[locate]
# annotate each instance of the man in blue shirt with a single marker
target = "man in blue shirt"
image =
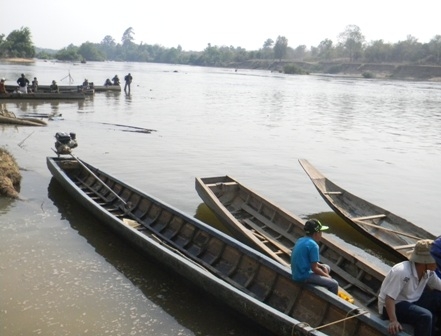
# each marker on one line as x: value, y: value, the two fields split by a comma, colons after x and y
x: 305, y: 259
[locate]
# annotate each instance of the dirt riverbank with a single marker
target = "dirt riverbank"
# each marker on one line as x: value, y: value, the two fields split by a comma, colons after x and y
x: 373, y: 70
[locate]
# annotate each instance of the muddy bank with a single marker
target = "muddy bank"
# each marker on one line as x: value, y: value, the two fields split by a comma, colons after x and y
x: 10, y: 176
x: 373, y: 70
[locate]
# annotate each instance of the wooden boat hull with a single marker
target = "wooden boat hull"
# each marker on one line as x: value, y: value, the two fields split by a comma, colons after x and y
x: 393, y: 233
x: 272, y: 230
x: 43, y: 96
x: 22, y: 121
x: 72, y: 88
x: 248, y: 281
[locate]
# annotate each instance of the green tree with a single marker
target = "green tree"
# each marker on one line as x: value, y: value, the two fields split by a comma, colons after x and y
x: 325, y: 49
x: 378, y: 51
x: 409, y: 50
x: 90, y: 52
x: 107, y: 47
x: 2, y: 45
x: 268, y: 44
x: 299, y: 52
x: 435, y: 48
x: 280, y: 47
x: 70, y: 53
x: 127, y: 37
x: 19, y: 44
x: 352, y: 40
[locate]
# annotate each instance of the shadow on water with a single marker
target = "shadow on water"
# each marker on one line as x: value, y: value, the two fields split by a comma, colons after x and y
x: 204, y: 214
x: 191, y: 307
x: 343, y: 230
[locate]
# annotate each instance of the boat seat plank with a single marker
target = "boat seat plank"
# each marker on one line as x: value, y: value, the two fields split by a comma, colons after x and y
x: 220, y: 183
x: 264, y: 220
x: 332, y: 192
x: 369, y: 217
x: 349, y: 278
x: 404, y: 247
x: 273, y: 241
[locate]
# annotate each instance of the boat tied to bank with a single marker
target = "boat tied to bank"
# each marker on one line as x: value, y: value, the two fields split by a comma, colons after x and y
x: 390, y: 231
x: 241, y: 277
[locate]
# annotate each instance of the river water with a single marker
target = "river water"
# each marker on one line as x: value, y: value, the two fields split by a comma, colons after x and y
x: 61, y: 273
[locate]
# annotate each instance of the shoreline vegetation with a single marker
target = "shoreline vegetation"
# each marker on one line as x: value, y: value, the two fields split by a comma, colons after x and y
x: 352, y: 69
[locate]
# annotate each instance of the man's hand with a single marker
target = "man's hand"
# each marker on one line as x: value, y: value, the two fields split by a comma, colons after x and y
x: 394, y: 327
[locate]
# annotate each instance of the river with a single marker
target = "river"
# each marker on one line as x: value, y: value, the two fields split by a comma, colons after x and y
x: 62, y: 274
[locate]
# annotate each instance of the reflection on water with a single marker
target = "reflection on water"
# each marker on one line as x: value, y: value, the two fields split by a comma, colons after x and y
x: 378, y: 138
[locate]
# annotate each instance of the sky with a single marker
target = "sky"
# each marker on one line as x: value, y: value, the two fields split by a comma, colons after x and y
x: 193, y: 24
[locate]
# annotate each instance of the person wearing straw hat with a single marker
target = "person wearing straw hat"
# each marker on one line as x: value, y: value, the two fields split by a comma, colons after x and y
x: 410, y: 292
x: 305, y: 258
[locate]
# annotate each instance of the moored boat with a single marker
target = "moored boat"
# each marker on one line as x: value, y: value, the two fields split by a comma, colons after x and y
x: 394, y: 233
x: 272, y: 230
x: 43, y: 96
x: 73, y: 88
x: 248, y: 281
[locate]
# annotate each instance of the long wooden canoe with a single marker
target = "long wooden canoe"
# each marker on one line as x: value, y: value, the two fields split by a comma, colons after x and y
x: 44, y: 96
x: 248, y: 281
x: 72, y: 88
x: 392, y: 232
x: 272, y: 230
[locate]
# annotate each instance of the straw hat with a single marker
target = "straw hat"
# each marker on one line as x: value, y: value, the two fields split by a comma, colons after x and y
x: 421, y: 252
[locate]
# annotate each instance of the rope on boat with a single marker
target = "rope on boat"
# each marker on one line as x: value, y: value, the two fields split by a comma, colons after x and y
x: 343, y: 320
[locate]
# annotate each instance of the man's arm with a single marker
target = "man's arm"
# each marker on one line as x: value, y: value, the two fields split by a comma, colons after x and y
x: 317, y: 269
x: 394, y: 326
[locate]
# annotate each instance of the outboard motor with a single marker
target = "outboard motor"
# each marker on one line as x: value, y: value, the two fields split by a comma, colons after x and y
x: 65, y: 143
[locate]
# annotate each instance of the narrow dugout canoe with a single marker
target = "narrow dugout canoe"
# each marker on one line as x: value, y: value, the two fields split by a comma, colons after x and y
x: 272, y: 230
x: 74, y: 88
x: 241, y: 277
x: 393, y: 233
x: 43, y: 96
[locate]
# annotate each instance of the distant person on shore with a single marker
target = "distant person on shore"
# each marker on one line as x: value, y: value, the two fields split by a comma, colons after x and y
x: 85, y: 84
x: 34, y: 85
x: 107, y: 82
x: 54, y: 87
x: 2, y: 86
x: 128, y: 79
x: 305, y: 259
x: 23, y: 83
x: 115, y: 80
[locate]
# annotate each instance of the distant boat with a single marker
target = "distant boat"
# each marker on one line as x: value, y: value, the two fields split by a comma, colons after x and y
x: 44, y: 96
x: 393, y: 233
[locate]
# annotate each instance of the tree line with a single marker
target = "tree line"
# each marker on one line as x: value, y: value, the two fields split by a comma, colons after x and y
x: 351, y: 46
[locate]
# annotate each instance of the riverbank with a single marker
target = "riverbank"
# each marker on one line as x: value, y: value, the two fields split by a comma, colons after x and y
x: 10, y: 176
x: 353, y: 69
x: 369, y: 70
x: 18, y: 60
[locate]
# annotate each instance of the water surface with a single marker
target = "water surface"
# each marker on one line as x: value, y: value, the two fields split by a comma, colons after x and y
x: 62, y: 274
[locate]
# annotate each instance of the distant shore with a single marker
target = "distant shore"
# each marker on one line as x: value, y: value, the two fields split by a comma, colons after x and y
x: 18, y: 60
x: 354, y: 69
